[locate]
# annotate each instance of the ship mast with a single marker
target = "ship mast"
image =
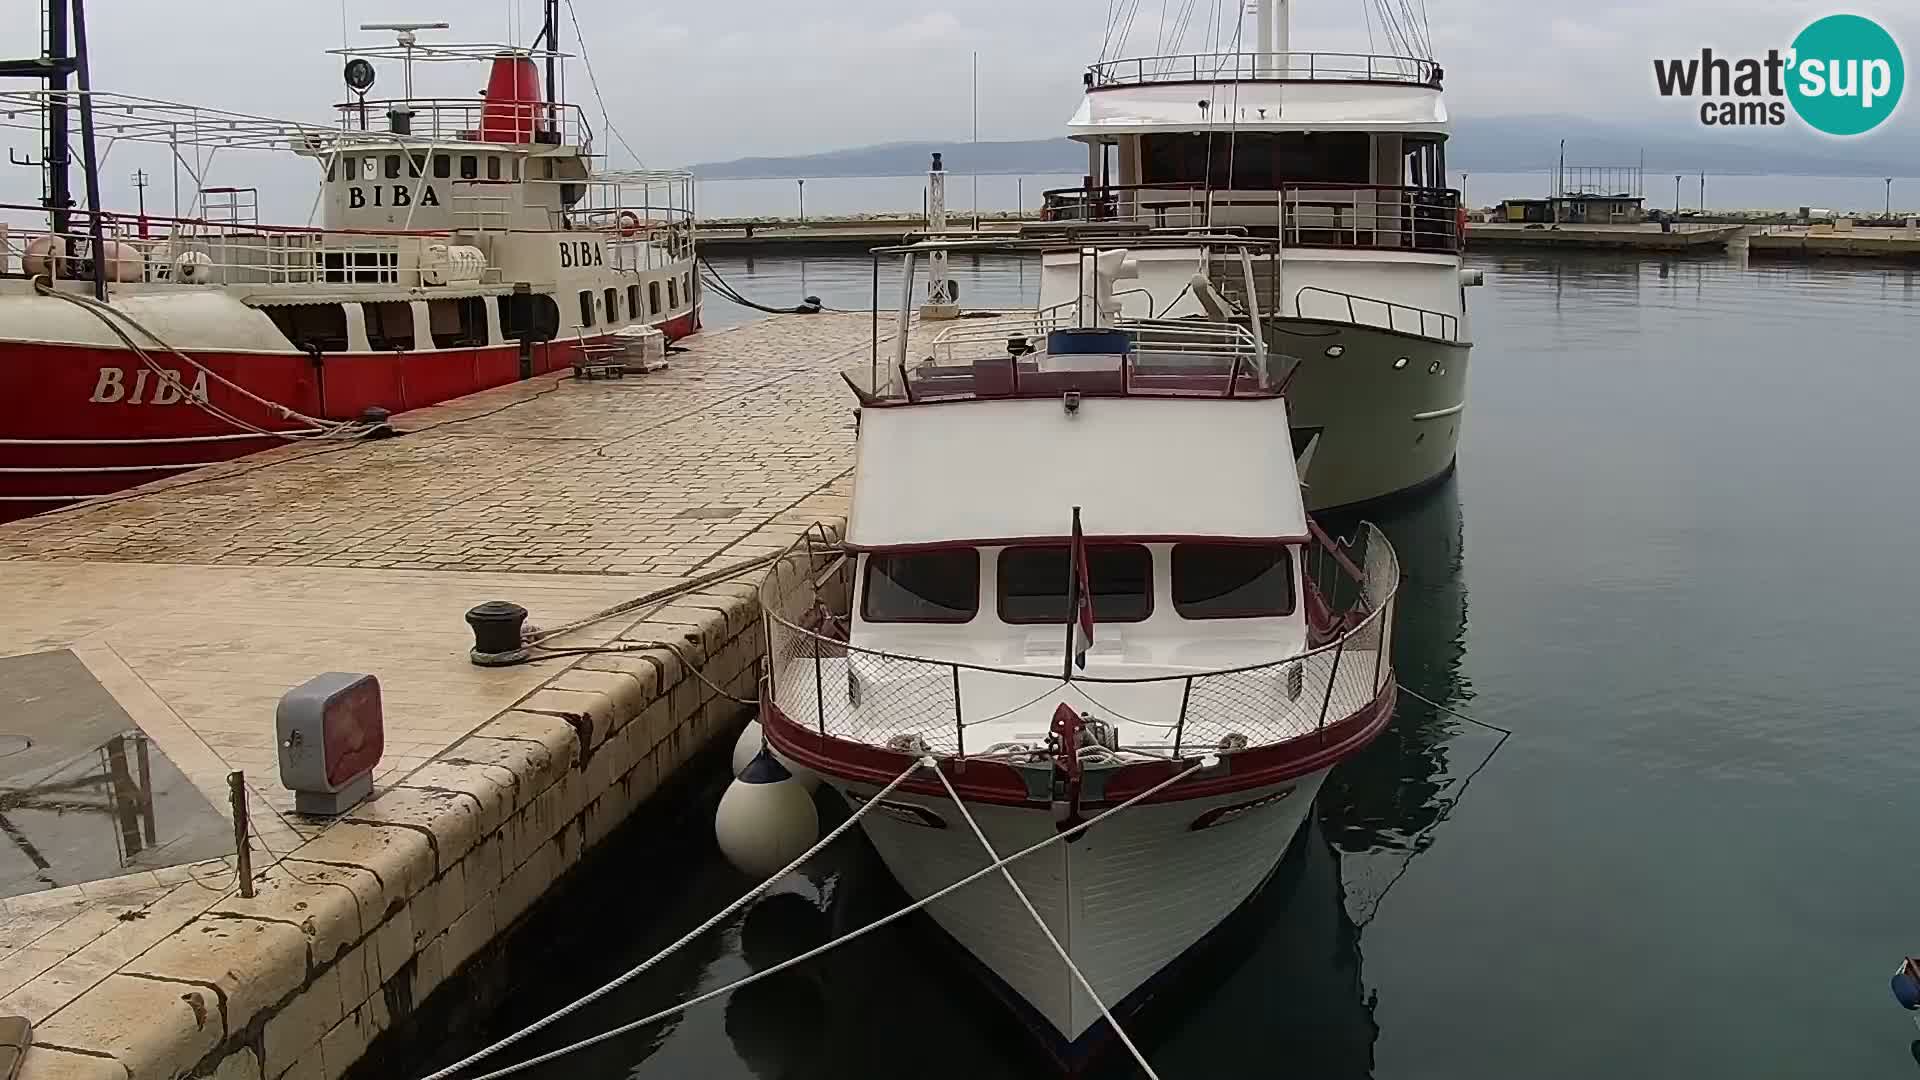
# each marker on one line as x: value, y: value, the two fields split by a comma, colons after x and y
x: 53, y: 67
x: 1270, y: 38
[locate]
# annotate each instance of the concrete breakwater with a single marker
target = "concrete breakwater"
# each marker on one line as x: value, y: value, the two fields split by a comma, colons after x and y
x: 193, y: 603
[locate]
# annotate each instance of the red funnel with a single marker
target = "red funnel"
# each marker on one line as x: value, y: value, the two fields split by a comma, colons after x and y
x: 513, y: 102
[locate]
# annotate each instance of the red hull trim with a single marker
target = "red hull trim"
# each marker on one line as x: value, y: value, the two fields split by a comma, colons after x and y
x: 86, y: 421
x: 1000, y: 784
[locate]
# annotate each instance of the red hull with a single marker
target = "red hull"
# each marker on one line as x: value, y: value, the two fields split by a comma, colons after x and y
x: 84, y: 421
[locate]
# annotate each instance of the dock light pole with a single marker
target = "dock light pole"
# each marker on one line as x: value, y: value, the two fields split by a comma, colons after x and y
x: 1889, y: 198
x: 803, y: 201
x: 1676, y: 194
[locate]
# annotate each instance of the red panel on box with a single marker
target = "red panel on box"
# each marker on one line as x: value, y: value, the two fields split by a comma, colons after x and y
x: 355, y: 732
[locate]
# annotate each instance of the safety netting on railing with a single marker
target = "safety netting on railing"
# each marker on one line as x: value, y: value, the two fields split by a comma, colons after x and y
x: 825, y: 685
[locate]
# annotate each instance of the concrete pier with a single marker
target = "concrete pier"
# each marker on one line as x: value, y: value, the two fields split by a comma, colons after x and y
x: 1827, y: 242
x: 187, y: 607
x: 1696, y: 239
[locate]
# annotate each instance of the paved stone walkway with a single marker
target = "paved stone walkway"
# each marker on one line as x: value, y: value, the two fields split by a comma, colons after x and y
x: 196, y: 602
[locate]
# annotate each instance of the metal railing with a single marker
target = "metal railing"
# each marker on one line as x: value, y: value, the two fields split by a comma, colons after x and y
x: 192, y: 252
x: 1245, y: 66
x: 1302, y: 213
x: 467, y: 120
x: 1371, y: 216
x: 838, y: 690
x: 1404, y: 318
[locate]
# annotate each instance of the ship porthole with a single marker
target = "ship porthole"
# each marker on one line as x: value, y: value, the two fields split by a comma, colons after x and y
x: 1433, y: 368
x: 1336, y: 351
x: 1400, y: 364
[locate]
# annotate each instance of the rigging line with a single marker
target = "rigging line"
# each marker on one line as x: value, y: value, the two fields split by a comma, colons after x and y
x: 1366, y: 11
x: 851, y: 935
x: 594, y: 82
x: 1045, y: 930
x: 632, y: 973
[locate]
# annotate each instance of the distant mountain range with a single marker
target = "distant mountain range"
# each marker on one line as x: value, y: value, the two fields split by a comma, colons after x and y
x: 1495, y: 145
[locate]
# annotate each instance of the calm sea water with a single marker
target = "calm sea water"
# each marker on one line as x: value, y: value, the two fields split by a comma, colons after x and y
x: 1676, y: 560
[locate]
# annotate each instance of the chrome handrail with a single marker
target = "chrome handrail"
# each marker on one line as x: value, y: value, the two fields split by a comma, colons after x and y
x: 1277, y: 66
x: 1449, y: 325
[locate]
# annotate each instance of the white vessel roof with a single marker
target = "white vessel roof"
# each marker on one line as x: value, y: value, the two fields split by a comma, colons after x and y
x: 1143, y: 468
x: 1150, y: 108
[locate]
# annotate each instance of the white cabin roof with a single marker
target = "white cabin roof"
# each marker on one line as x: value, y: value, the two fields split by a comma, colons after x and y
x: 1138, y: 467
x: 1258, y: 106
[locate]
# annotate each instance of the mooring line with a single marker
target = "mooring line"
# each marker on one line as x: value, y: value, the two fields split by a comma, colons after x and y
x: 632, y: 973
x: 749, y: 980
x: 1415, y: 841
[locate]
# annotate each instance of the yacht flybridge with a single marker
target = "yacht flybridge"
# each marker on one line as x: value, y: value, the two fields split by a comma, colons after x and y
x: 1342, y: 159
x: 1080, y: 605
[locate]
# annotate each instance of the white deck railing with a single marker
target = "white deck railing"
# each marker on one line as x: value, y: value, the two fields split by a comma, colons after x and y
x: 841, y: 691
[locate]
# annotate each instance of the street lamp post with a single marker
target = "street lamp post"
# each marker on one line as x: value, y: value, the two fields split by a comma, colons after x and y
x: 803, y: 201
x: 1676, y: 194
x: 1889, y: 197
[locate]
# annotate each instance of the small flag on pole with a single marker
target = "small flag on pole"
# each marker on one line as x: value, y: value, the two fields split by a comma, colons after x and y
x: 1082, y: 597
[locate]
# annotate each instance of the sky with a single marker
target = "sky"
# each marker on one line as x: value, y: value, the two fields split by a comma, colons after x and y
x: 692, y: 82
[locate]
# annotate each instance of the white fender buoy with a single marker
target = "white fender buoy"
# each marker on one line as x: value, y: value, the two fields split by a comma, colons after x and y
x: 766, y: 819
x: 748, y: 746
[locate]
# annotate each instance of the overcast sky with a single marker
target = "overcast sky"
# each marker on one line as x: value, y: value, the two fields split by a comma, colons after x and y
x: 690, y: 82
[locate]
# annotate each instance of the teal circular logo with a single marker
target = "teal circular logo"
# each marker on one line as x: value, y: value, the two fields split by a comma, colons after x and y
x: 1846, y: 75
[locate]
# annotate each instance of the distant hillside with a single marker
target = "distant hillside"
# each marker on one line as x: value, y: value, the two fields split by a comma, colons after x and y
x: 1504, y: 144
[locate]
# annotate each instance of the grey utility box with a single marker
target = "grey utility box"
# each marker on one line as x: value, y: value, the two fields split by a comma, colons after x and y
x: 331, y: 735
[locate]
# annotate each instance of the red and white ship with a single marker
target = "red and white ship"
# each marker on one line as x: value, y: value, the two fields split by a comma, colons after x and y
x: 460, y: 244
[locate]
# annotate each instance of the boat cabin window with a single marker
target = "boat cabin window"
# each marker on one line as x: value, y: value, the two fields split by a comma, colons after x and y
x: 586, y: 307
x: 533, y: 316
x: 389, y: 325
x: 416, y: 165
x: 673, y: 292
x: 1426, y: 163
x: 311, y: 327
x: 612, y: 300
x: 633, y: 303
x: 469, y: 167
x: 1033, y: 583
x: 922, y: 586
x: 442, y: 166
x: 1256, y: 160
x: 1232, y: 581
x: 393, y: 166
x: 493, y: 166
x: 353, y: 168
x: 653, y: 298
x: 331, y: 169
x: 457, y: 324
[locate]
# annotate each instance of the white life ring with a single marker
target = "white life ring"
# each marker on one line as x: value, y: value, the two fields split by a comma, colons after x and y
x: 627, y: 222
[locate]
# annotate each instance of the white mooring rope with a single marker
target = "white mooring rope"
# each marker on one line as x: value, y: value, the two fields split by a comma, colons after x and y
x: 1021, y: 894
x: 738, y: 984
x: 719, y: 917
